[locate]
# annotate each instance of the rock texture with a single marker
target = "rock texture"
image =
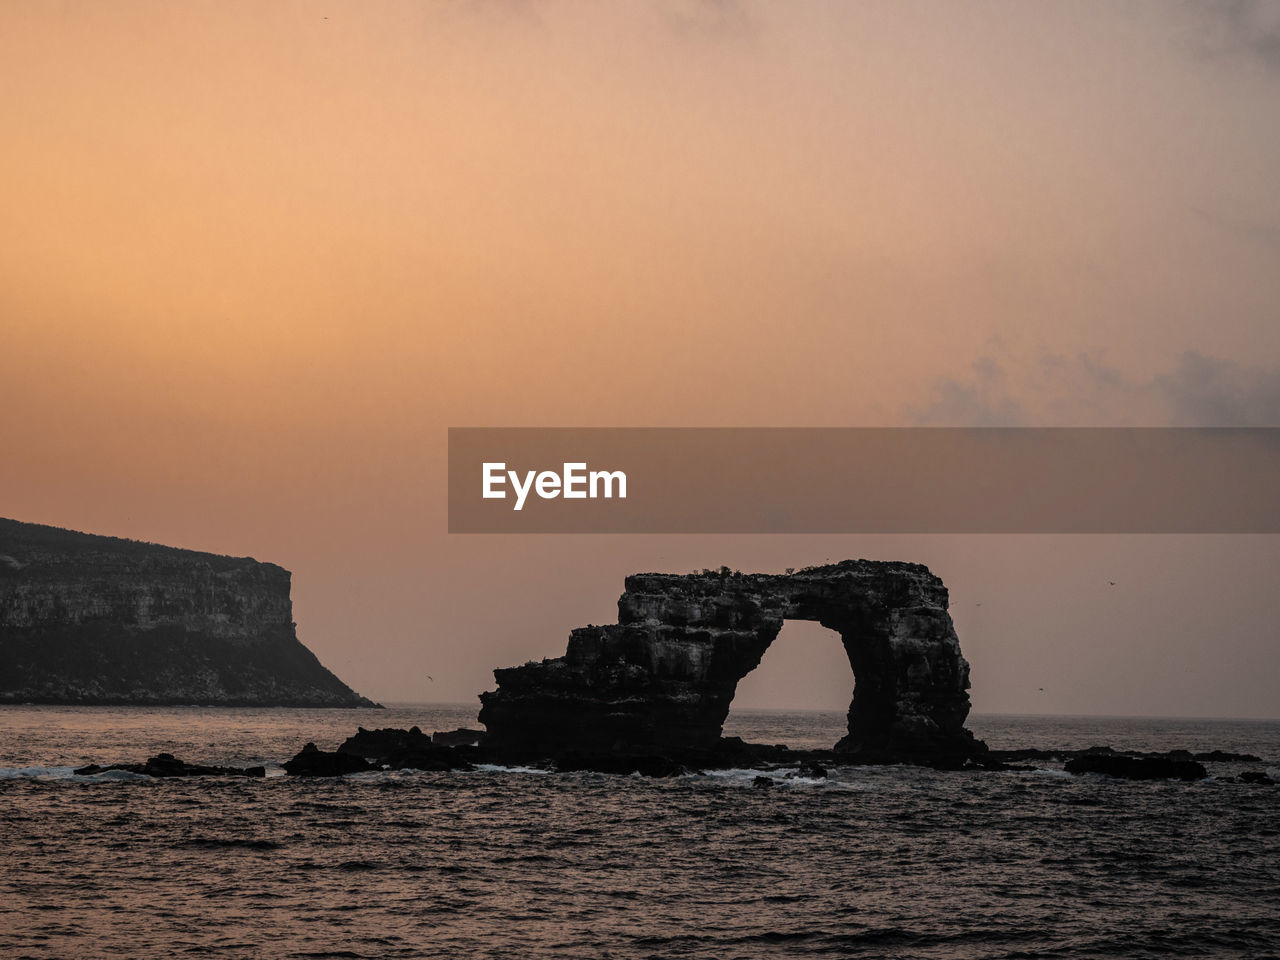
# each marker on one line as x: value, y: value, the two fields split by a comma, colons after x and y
x: 311, y: 761
x: 99, y: 620
x: 404, y: 750
x: 167, y: 765
x: 659, y: 682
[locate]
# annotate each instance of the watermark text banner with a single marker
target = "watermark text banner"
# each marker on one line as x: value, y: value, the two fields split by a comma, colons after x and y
x: 864, y: 480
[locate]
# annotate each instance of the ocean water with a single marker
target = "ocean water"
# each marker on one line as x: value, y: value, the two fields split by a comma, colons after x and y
x: 874, y: 862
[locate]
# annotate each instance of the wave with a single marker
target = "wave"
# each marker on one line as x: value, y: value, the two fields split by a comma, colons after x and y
x: 780, y: 777
x: 65, y: 773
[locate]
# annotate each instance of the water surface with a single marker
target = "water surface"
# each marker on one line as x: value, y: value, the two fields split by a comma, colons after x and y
x: 883, y: 862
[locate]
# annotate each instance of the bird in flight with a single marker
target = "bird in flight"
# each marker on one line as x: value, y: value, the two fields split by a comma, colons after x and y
x: 1112, y: 582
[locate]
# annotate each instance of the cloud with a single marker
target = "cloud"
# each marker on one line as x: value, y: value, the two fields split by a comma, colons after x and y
x: 1085, y: 390
x: 1206, y: 391
x: 1246, y: 30
x: 709, y: 19
x: 981, y: 400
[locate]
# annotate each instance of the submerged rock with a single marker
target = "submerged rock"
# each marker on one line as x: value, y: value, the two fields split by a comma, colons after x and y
x: 461, y: 737
x: 311, y: 761
x: 1003, y: 757
x: 1223, y: 756
x: 167, y: 765
x: 1136, y: 768
x: 659, y: 682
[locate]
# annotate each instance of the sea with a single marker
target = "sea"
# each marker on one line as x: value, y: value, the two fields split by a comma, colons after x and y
x: 895, y: 862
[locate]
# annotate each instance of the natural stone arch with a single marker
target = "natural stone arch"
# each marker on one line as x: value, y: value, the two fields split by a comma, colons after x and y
x: 661, y: 680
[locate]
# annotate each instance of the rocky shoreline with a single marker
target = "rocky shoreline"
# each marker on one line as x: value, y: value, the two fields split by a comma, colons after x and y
x: 465, y: 749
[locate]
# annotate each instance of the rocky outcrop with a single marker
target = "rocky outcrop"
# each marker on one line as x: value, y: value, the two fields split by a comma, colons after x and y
x: 461, y: 737
x: 404, y: 750
x: 659, y: 682
x: 386, y: 749
x: 167, y: 765
x: 311, y: 761
x: 99, y: 620
x: 1136, y: 768
x: 1038, y: 753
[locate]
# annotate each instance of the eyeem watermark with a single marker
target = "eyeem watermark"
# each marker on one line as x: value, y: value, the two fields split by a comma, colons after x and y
x: 864, y: 480
x: 574, y: 482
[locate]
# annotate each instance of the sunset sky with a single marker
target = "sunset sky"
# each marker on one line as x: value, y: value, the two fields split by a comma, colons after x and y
x: 256, y: 258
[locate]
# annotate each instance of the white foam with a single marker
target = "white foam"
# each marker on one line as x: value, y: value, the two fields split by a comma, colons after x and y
x: 746, y: 777
x: 36, y: 773
x: 116, y: 775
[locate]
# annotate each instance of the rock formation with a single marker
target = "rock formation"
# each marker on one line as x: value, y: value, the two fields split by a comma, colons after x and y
x: 405, y: 750
x: 311, y: 761
x: 89, y: 619
x: 1136, y: 768
x: 659, y: 682
x: 167, y: 765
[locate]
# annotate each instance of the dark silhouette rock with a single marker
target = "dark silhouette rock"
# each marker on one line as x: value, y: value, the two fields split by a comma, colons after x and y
x: 462, y: 737
x: 167, y: 765
x: 1032, y: 753
x: 313, y: 762
x: 1255, y: 776
x: 429, y: 759
x: 1136, y: 768
x: 98, y: 620
x: 659, y: 682
x: 1223, y: 756
x: 381, y: 744
x: 403, y: 750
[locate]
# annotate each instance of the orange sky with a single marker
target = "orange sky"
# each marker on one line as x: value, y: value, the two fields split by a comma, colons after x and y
x: 257, y: 257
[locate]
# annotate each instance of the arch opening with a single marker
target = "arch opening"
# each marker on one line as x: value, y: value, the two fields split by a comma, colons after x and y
x: 800, y: 692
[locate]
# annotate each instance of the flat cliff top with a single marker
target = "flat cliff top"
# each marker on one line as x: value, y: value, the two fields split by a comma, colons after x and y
x: 820, y: 571
x: 843, y: 576
x: 36, y: 544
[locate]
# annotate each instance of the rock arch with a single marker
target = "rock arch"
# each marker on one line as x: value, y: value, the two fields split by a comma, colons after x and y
x: 660, y: 680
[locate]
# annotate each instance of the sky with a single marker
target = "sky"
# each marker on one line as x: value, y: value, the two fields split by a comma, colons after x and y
x: 256, y: 258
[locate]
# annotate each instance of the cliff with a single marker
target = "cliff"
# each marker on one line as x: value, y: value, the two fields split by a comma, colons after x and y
x: 660, y: 681
x: 98, y: 620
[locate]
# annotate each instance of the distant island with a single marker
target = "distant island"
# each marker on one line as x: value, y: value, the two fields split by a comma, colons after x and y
x: 87, y: 619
